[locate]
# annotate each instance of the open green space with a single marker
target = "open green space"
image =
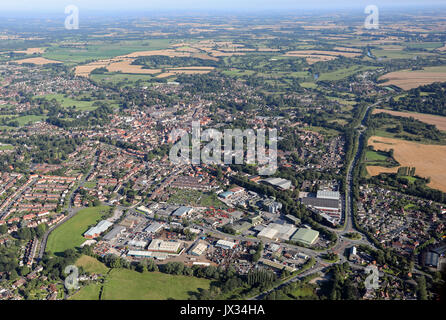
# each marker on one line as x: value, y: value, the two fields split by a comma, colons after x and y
x: 195, y: 198
x: 125, y: 284
x: 69, y: 234
x: 343, y: 73
x: 105, y: 50
x: 91, y: 265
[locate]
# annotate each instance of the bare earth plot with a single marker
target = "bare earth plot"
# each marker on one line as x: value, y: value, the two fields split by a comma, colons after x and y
x: 429, y: 160
x: 408, y: 79
x: 37, y: 60
x: 438, y: 121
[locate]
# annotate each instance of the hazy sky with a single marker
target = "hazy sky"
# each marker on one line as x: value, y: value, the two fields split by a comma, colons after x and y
x: 135, y: 5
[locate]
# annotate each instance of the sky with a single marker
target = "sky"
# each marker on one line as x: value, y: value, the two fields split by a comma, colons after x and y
x: 227, y: 5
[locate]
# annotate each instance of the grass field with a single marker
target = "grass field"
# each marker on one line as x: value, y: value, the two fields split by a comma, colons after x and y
x: 69, y: 234
x: 103, y: 51
x: 343, y: 73
x: 91, y: 265
x: 79, y: 104
x: 124, y: 284
x: 375, y: 156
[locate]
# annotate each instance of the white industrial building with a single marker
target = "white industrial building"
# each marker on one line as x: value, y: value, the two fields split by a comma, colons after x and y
x: 224, y: 244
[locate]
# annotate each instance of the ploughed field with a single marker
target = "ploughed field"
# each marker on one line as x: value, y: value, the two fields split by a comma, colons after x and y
x: 429, y: 160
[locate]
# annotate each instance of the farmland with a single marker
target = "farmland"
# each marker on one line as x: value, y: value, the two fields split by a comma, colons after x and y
x: 408, y: 79
x: 438, y: 121
x: 427, y: 159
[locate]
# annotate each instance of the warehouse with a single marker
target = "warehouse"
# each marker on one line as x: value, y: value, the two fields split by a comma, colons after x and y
x: 305, y: 236
x: 277, y: 232
x: 199, y: 249
x: 98, y: 229
x: 147, y: 254
x: 182, y: 212
x: 116, y: 231
x: 171, y: 247
x: 328, y: 205
x: 225, y: 244
x: 283, y: 184
x: 153, y: 227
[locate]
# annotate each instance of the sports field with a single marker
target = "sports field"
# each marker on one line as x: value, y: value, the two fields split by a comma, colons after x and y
x: 69, y: 234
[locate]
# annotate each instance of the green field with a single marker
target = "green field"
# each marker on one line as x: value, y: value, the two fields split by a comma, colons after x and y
x: 124, y: 284
x: 343, y: 73
x: 75, y: 55
x: 78, y: 104
x: 375, y: 156
x: 91, y: 265
x: 69, y: 234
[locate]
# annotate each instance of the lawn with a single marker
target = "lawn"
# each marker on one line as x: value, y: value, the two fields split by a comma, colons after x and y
x: 124, y: 284
x: 69, y: 234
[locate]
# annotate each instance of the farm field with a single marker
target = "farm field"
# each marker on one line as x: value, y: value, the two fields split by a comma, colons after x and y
x: 343, y: 73
x: 408, y: 79
x: 438, y: 121
x: 427, y: 159
x: 69, y: 234
x: 69, y: 102
x: 37, y: 60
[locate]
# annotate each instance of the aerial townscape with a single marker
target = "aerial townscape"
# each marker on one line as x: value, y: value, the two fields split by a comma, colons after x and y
x: 354, y: 210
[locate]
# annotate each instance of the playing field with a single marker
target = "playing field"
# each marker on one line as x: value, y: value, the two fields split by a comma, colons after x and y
x: 124, y: 284
x: 429, y: 160
x: 69, y: 234
x: 438, y: 121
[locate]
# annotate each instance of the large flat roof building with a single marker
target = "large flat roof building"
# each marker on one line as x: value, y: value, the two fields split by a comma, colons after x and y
x: 305, y: 236
x: 171, y: 247
x: 96, y: 231
x: 224, y: 244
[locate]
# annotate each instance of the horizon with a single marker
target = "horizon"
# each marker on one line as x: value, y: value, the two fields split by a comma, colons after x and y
x: 203, y: 6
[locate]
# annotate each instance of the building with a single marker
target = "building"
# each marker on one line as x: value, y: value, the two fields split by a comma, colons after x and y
x: 199, y: 249
x: 226, y: 195
x: 182, y: 212
x: 170, y: 247
x: 154, y: 227
x: 280, y: 183
x: 147, y: 254
x: 143, y: 209
x: 325, y: 205
x: 225, y: 244
x: 277, y: 232
x: 272, y: 206
x: 116, y: 231
x: 305, y: 236
x: 98, y: 229
x: 334, y: 195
